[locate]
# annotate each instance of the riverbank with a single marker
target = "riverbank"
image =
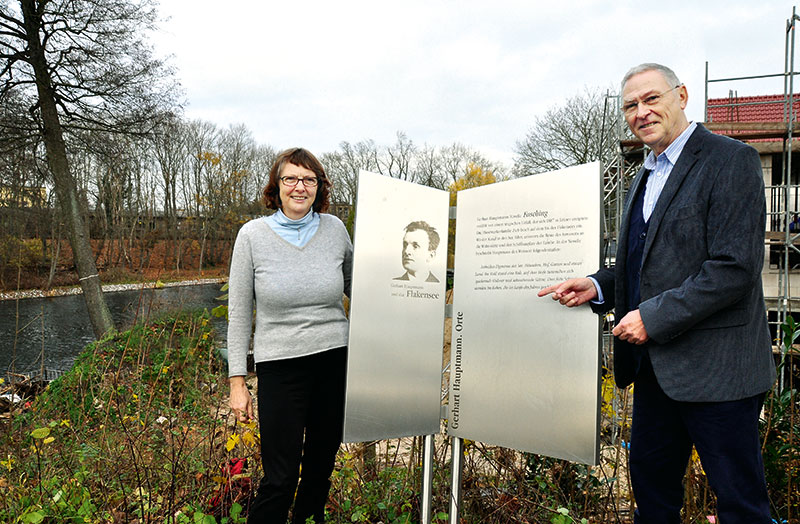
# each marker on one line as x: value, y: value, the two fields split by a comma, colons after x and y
x: 116, y: 262
x: 76, y: 290
x: 94, y: 445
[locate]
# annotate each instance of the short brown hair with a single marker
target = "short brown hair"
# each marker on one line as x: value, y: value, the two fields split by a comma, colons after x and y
x: 298, y: 156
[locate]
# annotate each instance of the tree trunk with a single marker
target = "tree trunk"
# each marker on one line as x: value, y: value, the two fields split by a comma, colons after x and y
x: 55, y: 252
x: 53, y: 263
x: 202, y: 252
x: 177, y: 241
x: 65, y: 186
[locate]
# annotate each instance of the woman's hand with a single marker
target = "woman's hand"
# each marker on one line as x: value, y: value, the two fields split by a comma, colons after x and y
x: 241, y: 402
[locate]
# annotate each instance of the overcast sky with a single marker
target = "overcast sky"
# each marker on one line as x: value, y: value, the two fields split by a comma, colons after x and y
x: 314, y: 74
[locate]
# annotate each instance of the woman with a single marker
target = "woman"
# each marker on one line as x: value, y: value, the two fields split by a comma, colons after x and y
x: 296, y: 264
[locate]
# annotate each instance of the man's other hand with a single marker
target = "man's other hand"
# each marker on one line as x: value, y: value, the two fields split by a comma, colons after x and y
x: 631, y: 328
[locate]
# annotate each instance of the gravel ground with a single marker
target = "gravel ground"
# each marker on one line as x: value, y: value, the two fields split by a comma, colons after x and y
x: 37, y: 293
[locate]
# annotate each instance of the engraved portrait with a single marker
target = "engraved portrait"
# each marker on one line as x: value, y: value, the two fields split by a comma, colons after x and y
x: 420, y: 241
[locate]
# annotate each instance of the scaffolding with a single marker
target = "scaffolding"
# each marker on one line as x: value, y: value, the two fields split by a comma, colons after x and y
x: 783, y: 199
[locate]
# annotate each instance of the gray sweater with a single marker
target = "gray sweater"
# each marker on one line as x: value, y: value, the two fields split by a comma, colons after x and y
x: 297, y: 292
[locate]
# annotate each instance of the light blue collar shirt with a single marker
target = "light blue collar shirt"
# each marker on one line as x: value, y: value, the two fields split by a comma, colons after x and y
x: 660, y: 167
x: 296, y: 232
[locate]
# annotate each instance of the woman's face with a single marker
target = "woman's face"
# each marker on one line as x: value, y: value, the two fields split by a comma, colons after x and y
x: 296, y: 200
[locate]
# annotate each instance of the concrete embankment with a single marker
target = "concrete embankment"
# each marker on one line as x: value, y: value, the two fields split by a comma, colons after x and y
x: 58, y: 292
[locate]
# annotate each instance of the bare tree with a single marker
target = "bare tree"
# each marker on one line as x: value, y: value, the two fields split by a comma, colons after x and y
x: 80, y: 64
x: 429, y: 168
x: 458, y: 160
x: 429, y: 165
x: 396, y: 160
x: 580, y: 131
x: 200, y: 182
x: 169, y: 148
x: 344, y: 164
x: 263, y: 159
x: 237, y: 149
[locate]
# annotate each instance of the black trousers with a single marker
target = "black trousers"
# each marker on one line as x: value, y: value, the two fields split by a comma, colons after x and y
x: 301, y: 417
x: 726, y: 437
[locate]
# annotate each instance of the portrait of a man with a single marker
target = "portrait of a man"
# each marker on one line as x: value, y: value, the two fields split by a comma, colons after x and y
x: 419, y: 249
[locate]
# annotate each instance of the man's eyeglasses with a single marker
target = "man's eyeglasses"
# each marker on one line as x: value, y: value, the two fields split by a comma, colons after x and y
x: 629, y: 108
x: 291, y: 181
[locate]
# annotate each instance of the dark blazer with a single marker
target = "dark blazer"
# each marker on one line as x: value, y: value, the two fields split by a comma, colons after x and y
x: 700, y: 281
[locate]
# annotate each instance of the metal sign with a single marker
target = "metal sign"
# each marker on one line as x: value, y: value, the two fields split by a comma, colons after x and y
x: 397, y: 310
x: 524, y: 370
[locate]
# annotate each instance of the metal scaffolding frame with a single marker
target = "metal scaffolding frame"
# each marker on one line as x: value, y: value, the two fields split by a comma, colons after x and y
x: 618, y: 173
x: 785, y: 197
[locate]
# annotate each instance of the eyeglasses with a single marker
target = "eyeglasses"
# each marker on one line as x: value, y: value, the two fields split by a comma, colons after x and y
x: 291, y: 181
x: 629, y: 108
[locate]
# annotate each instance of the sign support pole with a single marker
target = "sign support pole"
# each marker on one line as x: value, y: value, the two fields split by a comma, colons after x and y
x: 456, y: 466
x: 427, y: 479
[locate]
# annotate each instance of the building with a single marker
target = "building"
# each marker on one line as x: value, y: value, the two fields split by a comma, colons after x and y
x: 762, y: 122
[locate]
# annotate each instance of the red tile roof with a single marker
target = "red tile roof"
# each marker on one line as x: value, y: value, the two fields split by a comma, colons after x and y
x: 757, y: 110
x: 765, y: 108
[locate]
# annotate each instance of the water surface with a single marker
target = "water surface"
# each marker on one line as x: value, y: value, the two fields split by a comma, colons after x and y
x: 54, y: 330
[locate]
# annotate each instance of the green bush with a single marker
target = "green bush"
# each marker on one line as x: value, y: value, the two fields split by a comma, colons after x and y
x: 23, y: 253
x: 131, y: 432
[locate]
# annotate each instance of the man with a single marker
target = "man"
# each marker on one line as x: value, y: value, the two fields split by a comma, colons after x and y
x: 692, y: 334
x: 419, y: 249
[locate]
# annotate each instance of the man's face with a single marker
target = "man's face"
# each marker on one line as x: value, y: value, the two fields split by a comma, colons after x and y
x: 416, y: 255
x: 657, y: 124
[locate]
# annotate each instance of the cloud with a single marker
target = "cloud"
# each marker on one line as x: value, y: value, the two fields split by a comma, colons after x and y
x: 317, y: 73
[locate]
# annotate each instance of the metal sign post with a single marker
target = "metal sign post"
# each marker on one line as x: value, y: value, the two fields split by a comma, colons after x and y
x: 456, y: 467
x: 427, y: 480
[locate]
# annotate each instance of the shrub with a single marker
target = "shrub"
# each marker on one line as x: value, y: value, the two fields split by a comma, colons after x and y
x: 22, y: 253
